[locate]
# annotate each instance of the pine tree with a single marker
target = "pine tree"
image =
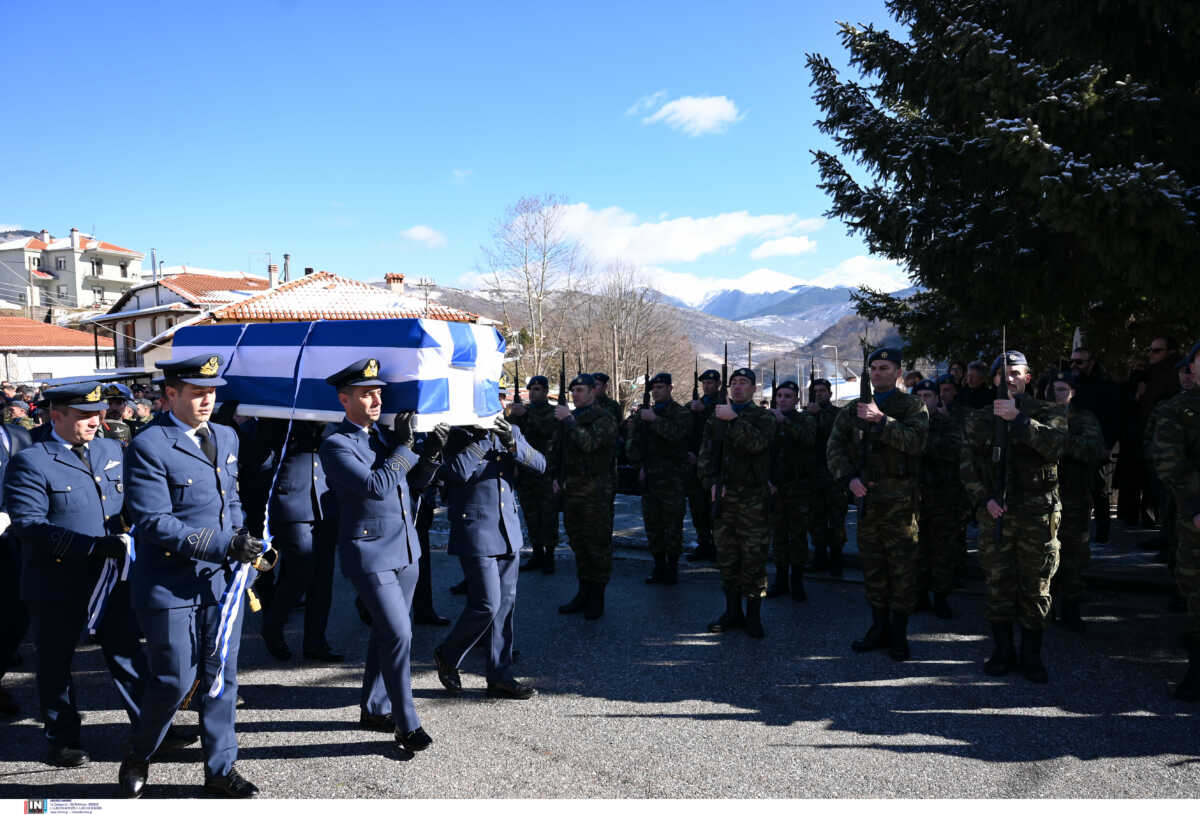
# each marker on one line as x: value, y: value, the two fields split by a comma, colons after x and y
x: 1033, y: 164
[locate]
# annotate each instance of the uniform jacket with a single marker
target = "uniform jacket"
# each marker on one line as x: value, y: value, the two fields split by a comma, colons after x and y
x: 15, y: 439
x: 1177, y: 450
x: 479, y: 473
x: 538, y: 426
x: 301, y: 492
x: 590, y: 442
x: 792, y: 448
x: 745, y: 450
x: 59, y: 508
x: 185, y: 513
x: 1082, y: 453
x: 1036, y: 439
x: 825, y: 416
x: 372, y: 485
x: 666, y: 441
x: 897, y: 442
x: 939, y: 461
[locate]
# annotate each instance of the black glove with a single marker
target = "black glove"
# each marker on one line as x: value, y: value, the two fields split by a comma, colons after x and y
x: 404, y: 430
x: 110, y: 546
x: 503, y: 430
x: 244, y: 547
x: 435, y: 440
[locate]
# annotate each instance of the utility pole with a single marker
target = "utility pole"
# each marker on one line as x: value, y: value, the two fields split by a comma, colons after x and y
x: 616, y: 371
x: 425, y: 284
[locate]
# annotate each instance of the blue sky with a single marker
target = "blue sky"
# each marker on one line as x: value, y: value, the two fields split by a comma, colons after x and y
x: 376, y: 138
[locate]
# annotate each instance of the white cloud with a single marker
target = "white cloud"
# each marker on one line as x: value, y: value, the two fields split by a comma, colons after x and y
x: 864, y: 270
x: 10, y: 227
x: 785, y: 247
x: 692, y: 289
x: 613, y: 233
x: 459, y: 174
x: 696, y: 115
x: 648, y: 102
x: 426, y: 235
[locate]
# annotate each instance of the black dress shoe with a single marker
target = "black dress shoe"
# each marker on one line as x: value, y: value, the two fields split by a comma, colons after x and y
x: 230, y: 785
x: 175, y: 739
x: 68, y: 757
x: 132, y: 777
x: 447, y: 673
x: 430, y: 619
x: 323, y: 654
x: 415, y: 740
x: 276, y: 646
x: 510, y: 690
x: 459, y: 588
x: 382, y: 722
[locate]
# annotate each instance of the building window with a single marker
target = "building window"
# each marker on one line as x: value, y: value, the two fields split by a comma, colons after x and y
x: 97, y: 267
x: 62, y: 291
x: 98, y: 294
x: 125, y: 269
x: 170, y: 322
x: 60, y: 264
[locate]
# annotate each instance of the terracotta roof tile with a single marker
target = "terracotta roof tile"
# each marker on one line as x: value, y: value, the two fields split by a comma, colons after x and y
x: 18, y: 332
x: 213, y: 289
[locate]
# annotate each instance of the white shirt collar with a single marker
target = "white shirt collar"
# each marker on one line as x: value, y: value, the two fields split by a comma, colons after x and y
x: 188, y: 431
x: 54, y: 435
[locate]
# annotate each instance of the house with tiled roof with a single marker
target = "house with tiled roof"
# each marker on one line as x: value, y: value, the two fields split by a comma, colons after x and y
x: 34, y: 351
x: 77, y: 271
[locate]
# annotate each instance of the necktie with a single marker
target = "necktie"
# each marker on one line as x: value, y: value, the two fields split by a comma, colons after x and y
x: 81, y: 451
x: 207, y: 445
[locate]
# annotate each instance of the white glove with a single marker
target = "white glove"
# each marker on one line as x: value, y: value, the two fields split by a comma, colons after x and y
x: 5, y: 521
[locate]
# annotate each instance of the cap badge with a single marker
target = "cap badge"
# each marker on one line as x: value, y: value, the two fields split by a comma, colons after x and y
x: 94, y: 396
x: 372, y: 369
x: 210, y: 368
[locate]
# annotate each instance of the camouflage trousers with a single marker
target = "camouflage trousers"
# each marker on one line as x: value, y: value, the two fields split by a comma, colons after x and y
x: 587, y: 517
x: 539, y: 503
x: 887, y: 546
x: 742, y: 536
x: 827, y: 516
x: 1019, y: 567
x: 938, y: 541
x: 698, y: 498
x: 789, y: 522
x: 1187, y: 569
x: 1074, y: 547
x: 663, y: 505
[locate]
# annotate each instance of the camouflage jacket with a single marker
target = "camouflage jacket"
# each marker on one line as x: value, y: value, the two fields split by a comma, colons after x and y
x: 825, y: 418
x: 1177, y: 450
x: 939, y: 462
x: 1152, y: 426
x: 792, y: 448
x: 538, y: 425
x: 1078, y: 468
x: 590, y: 441
x: 897, y: 442
x: 699, y: 421
x: 1036, y: 440
x: 665, y: 439
x: 612, y: 406
x: 745, y: 450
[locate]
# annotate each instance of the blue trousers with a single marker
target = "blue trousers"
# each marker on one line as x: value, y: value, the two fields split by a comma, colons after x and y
x: 387, y: 678
x: 180, y: 644
x: 58, y: 620
x: 491, y: 605
x: 306, y: 554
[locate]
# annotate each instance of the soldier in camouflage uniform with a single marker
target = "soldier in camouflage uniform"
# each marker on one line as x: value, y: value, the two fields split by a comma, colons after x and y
x: 581, y: 456
x: 698, y: 497
x: 658, y: 444
x: 539, y: 502
x: 735, y: 467
x: 613, y: 407
x: 1019, y: 563
x: 17, y: 412
x: 828, y: 498
x: 948, y: 394
x: 113, y: 426
x: 1078, y: 470
x: 1177, y: 463
x: 791, y: 468
x: 941, y: 502
x: 1168, y: 511
x: 895, y: 423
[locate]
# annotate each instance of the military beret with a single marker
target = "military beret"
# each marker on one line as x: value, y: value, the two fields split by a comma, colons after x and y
x: 787, y: 383
x: 1013, y: 358
x: 825, y: 382
x: 746, y: 372
x: 710, y: 374
x: 599, y: 377
x: 115, y: 390
x: 80, y: 395
x: 361, y: 373
x: 1070, y: 377
x: 925, y: 385
x: 663, y: 378
x: 587, y: 380
x: 538, y: 380
x: 891, y: 355
x: 947, y: 379
x: 17, y: 403
x: 203, y: 370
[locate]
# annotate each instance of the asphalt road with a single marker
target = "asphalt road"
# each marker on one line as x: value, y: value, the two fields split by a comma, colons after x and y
x: 645, y: 703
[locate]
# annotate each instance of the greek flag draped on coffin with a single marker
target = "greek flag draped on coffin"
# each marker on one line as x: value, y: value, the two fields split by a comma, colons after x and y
x: 446, y: 371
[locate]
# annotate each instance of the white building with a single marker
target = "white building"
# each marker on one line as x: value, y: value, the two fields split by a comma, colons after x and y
x: 78, y: 271
x: 34, y: 351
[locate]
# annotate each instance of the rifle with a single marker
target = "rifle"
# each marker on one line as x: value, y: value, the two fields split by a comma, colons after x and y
x: 517, y: 376
x: 643, y: 431
x: 696, y: 380
x: 561, y: 438
x: 718, y: 441
x: 1000, y: 444
x: 812, y: 379
x: 578, y: 363
x: 864, y: 455
x: 774, y: 397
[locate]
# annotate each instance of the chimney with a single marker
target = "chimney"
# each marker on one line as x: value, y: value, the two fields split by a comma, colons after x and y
x: 395, y: 282
x: 46, y: 236
x: 272, y: 276
x: 286, y: 263
x: 74, y: 238
x: 308, y: 270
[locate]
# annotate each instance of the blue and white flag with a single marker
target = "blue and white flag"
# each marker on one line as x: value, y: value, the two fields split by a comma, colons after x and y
x: 446, y: 371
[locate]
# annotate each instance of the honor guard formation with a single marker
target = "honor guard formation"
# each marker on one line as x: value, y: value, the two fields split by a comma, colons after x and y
x: 156, y: 527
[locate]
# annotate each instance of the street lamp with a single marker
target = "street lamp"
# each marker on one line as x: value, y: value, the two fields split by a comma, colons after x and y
x: 833, y: 387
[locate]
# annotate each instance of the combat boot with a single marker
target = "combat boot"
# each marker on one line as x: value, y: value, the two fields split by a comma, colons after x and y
x: 1070, y: 616
x: 780, y: 586
x: 577, y: 603
x: 594, y: 608
x: 835, y: 562
x: 941, y: 607
x: 535, y: 561
x: 898, y: 637
x: 877, y: 634
x: 671, y: 572
x: 703, y: 551
x: 1004, y: 656
x: 732, y: 618
x: 1188, y: 689
x: 1031, y: 656
x: 754, y: 626
x: 656, y: 576
x: 799, y: 595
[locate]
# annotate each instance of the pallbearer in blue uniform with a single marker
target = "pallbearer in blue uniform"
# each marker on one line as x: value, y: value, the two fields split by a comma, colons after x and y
x: 480, y: 472
x: 64, y: 497
x: 188, y: 522
x: 372, y: 472
x: 14, y: 619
